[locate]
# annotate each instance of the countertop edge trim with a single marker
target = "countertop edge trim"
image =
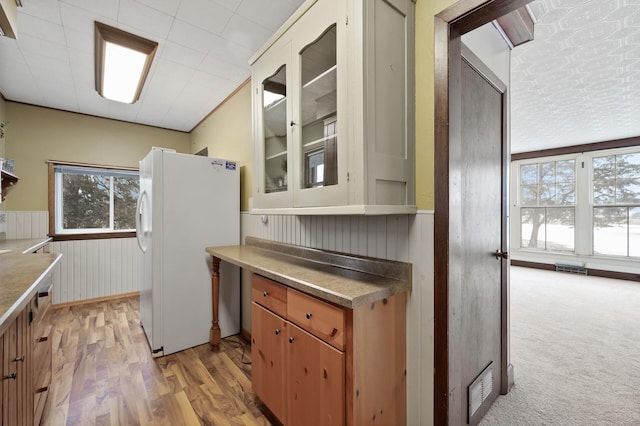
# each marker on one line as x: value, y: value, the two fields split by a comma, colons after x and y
x: 21, y: 303
x: 38, y: 246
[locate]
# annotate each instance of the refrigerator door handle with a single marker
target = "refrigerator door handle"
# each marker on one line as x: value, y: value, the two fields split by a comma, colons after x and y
x: 139, y: 222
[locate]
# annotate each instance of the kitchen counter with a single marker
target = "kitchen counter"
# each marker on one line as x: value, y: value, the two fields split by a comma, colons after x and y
x: 346, y: 280
x: 21, y: 276
x: 23, y: 246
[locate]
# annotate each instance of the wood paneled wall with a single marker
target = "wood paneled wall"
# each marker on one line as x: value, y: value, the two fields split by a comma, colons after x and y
x: 99, y: 268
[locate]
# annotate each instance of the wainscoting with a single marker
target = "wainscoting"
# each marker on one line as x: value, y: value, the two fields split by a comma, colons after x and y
x: 99, y: 268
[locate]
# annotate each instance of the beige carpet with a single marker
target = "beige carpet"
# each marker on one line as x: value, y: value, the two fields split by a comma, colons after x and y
x: 575, y: 349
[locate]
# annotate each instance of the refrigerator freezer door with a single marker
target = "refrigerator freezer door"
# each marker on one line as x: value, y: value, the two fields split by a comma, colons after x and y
x: 201, y: 207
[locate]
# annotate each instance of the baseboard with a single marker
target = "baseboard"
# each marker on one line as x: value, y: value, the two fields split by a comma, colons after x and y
x: 245, y: 335
x: 96, y: 300
x: 592, y: 272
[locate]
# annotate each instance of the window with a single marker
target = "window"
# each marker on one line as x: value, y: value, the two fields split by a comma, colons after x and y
x: 92, y: 201
x: 547, y: 205
x: 616, y: 205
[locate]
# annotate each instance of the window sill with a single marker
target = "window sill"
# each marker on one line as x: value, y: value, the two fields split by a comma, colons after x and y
x: 92, y: 236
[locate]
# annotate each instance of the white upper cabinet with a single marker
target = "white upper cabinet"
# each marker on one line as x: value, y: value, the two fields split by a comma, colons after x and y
x: 333, y: 111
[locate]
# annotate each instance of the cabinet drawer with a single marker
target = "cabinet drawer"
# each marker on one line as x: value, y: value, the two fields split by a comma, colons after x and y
x: 269, y: 294
x: 40, y: 303
x: 319, y: 318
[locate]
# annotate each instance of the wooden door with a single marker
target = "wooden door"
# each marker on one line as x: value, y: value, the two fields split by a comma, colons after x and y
x: 316, y: 381
x: 481, y: 231
x: 268, y: 369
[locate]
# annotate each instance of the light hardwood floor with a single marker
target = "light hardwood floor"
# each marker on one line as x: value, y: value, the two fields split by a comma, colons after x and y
x: 103, y: 374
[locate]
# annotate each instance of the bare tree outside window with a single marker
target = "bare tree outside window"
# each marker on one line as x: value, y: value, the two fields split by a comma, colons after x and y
x: 94, y: 200
x: 616, y: 200
x: 547, y: 199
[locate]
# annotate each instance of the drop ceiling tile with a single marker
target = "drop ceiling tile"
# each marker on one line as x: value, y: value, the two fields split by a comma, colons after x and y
x: 246, y: 33
x: 103, y: 8
x: 201, y: 78
x: 43, y: 9
x: 170, y: 7
x: 32, y: 47
x: 269, y: 14
x: 39, y: 28
x: 60, y: 96
x: 81, y: 20
x: 122, y: 111
x: 187, y: 35
x: 182, y: 55
x: 145, y: 18
x: 230, y: 52
x: 89, y: 102
x: 79, y: 41
x: 214, y: 66
x: 210, y: 16
x: 229, y: 4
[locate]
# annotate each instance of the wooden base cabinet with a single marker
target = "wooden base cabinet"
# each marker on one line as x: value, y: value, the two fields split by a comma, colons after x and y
x: 25, y: 363
x: 315, y: 363
x: 17, y: 405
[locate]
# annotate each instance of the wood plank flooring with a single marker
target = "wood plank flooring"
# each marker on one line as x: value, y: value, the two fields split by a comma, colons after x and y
x: 103, y: 374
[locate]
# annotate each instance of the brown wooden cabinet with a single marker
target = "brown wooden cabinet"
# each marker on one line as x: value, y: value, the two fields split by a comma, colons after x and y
x: 25, y: 363
x: 17, y: 404
x: 314, y: 362
x: 41, y: 365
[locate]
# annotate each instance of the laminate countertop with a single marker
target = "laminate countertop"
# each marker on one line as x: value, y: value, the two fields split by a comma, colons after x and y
x: 21, y: 276
x: 346, y: 280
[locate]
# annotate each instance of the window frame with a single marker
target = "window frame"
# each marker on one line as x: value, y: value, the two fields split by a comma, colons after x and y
x: 519, y: 205
x: 53, y: 210
x: 584, y: 202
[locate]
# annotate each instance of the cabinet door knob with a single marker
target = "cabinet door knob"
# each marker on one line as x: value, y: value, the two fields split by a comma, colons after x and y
x: 277, y: 331
x: 265, y: 293
x: 11, y: 376
x: 19, y: 358
x: 291, y: 339
x: 308, y: 315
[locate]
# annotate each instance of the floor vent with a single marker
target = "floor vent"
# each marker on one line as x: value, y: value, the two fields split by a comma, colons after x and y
x: 574, y: 269
x: 480, y: 389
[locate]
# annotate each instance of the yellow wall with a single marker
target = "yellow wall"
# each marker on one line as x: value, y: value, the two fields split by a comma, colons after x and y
x: 227, y: 134
x: 37, y: 134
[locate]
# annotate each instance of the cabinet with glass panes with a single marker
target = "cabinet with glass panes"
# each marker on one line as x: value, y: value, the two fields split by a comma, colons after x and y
x: 333, y: 113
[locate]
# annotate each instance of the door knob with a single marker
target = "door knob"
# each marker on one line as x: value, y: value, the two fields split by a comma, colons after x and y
x: 501, y: 254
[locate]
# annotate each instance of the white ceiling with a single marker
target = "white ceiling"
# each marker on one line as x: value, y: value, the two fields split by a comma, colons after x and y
x: 203, y: 53
x: 579, y: 80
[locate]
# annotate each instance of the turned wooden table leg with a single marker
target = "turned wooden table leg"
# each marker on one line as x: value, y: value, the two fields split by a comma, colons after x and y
x: 214, y: 332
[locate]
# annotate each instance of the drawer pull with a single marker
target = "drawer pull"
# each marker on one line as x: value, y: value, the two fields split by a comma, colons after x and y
x: 277, y: 331
x: 308, y: 315
x: 43, y: 339
x: 19, y: 358
x: 265, y: 293
x: 11, y: 376
x: 291, y: 339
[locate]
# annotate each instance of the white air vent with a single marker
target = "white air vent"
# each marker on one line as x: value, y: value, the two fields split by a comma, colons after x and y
x: 480, y: 389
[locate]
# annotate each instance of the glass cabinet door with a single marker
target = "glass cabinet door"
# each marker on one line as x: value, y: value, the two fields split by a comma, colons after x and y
x: 274, y: 110
x: 318, y: 112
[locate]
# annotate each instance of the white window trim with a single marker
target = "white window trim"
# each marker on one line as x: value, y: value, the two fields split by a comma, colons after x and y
x: 56, y: 201
x: 583, y: 255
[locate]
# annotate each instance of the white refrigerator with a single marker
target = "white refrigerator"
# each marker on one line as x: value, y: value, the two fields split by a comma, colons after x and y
x: 186, y: 203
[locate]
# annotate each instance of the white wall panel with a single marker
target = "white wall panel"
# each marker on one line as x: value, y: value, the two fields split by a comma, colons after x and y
x: 88, y: 268
x: 91, y: 269
x: 399, y: 237
x: 27, y: 224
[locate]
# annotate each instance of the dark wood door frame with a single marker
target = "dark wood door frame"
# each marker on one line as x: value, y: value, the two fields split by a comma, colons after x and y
x: 449, y: 26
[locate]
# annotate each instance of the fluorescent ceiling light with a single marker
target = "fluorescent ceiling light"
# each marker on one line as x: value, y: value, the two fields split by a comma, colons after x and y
x: 122, y: 63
